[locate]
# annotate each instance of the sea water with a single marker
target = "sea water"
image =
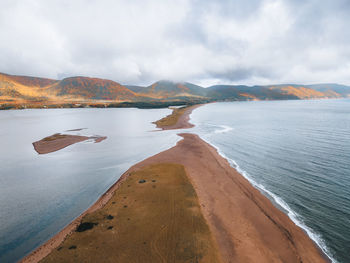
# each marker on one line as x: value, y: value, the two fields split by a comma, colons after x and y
x: 297, y: 153
x: 40, y: 194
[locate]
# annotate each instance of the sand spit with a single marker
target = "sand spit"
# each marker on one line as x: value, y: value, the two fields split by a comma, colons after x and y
x: 244, y: 225
x: 178, y: 119
x: 59, y: 141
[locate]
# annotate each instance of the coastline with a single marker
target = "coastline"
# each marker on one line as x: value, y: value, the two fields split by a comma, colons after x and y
x: 278, y: 203
x: 42, y: 251
x: 240, y: 217
x: 246, y: 225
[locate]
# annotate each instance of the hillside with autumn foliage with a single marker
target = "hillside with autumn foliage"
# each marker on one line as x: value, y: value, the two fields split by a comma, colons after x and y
x: 37, y: 92
x: 92, y: 89
x: 33, y: 92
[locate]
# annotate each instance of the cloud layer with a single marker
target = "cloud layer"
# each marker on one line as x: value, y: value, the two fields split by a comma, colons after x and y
x: 206, y: 42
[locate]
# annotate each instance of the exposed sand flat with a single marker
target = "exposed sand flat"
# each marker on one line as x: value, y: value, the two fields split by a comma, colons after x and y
x: 59, y: 141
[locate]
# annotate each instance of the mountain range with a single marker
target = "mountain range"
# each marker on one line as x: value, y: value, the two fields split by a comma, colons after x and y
x: 34, y: 92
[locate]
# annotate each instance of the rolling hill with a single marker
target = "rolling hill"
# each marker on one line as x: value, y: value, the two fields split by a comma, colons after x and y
x: 170, y: 90
x: 15, y: 90
x: 23, y: 92
x: 91, y: 89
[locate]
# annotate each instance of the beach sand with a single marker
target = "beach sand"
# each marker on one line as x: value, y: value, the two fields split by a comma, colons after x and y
x: 244, y: 226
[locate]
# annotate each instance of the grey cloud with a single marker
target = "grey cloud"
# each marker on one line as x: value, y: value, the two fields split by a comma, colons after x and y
x: 138, y: 42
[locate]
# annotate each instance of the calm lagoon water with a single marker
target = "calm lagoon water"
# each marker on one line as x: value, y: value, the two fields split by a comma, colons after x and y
x: 297, y: 153
x: 40, y: 194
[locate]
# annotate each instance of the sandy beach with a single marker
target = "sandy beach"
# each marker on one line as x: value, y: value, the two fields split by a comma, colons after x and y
x: 243, y: 224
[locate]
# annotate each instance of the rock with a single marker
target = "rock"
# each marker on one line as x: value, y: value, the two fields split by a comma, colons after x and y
x: 72, y: 247
x: 110, y: 227
x: 142, y: 181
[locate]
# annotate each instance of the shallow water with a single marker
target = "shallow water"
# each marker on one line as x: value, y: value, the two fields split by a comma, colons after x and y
x: 297, y: 153
x: 40, y: 194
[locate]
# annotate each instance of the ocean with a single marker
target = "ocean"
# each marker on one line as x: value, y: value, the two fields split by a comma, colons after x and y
x: 297, y: 153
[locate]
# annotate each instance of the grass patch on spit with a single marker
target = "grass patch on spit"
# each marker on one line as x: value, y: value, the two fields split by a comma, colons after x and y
x: 172, y: 118
x: 154, y: 216
x: 54, y: 137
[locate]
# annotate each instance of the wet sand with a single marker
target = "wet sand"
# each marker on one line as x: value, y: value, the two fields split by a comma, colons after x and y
x: 59, y: 141
x: 245, y: 225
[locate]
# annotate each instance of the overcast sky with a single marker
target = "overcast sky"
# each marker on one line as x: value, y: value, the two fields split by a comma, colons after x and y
x: 205, y: 42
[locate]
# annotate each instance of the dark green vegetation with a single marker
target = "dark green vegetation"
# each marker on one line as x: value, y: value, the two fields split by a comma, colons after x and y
x: 30, y: 92
x: 158, y: 220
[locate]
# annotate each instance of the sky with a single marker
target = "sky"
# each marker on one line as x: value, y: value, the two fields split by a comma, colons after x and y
x: 201, y: 41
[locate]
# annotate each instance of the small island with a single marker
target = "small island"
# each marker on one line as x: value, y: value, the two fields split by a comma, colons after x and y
x: 59, y: 141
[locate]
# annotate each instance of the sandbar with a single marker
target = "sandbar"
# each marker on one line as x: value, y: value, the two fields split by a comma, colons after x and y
x: 59, y: 141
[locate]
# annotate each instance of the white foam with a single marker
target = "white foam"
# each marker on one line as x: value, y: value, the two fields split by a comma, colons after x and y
x: 291, y: 214
x: 223, y: 129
